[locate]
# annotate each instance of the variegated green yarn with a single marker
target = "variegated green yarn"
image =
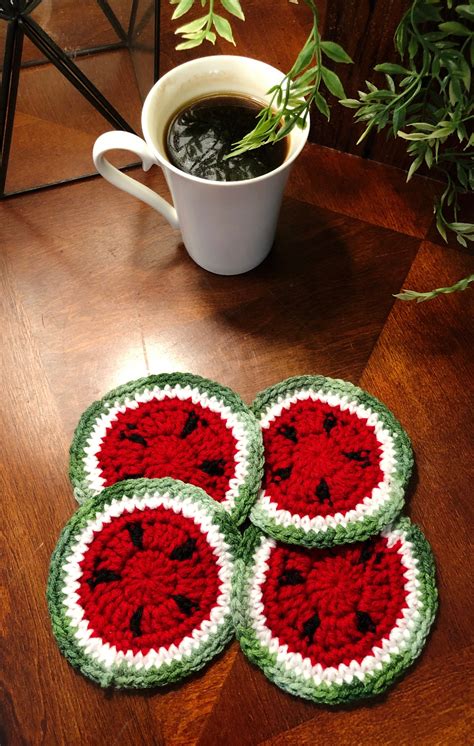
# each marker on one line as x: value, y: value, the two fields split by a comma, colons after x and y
x: 272, y: 655
x: 66, y: 627
x: 244, y: 606
x: 356, y: 529
x: 124, y: 395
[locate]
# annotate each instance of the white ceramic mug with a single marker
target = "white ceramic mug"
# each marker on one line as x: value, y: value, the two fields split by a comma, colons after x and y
x: 227, y: 227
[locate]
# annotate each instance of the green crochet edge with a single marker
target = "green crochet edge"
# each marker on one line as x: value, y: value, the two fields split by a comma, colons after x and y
x: 335, y: 693
x: 122, y: 675
x: 248, y: 490
x: 356, y: 530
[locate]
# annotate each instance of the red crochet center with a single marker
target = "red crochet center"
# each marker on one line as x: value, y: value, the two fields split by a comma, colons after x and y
x: 320, y: 460
x: 149, y: 579
x: 334, y: 605
x: 170, y: 438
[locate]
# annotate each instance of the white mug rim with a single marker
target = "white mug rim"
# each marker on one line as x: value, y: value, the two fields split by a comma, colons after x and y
x: 164, y: 163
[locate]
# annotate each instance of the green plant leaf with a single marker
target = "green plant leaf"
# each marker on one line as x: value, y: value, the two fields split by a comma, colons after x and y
x: 350, y: 103
x: 322, y: 105
x: 454, y: 92
x: 440, y: 226
x: 466, y: 11
x: 393, y: 69
x: 335, y: 52
x: 413, y: 47
x: 414, y: 136
x: 414, y: 166
x: 423, y: 126
x: 234, y: 7
x: 398, y: 119
x: 462, y: 227
x: 192, y: 26
x: 465, y: 71
x: 191, y: 43
x: 462, y: 177
x: 332, y: 82
x: 182, y: 8
x: 223, y: 28
x: 420, y: 297
x: 425, y: 12
x: 391, y: 82
x: 454, y: 27
x: 304, y: 58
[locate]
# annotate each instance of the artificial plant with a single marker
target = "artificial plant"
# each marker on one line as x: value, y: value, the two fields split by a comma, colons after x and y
x: 426, y: 101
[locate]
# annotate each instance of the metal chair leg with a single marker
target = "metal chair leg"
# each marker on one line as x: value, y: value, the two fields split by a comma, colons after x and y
x: 71, y: 71
x: 112, y: 19
x: 8, y: 93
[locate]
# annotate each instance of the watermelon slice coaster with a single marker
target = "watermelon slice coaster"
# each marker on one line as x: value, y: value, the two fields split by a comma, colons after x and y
x: 337, y: 462
x: 174, y: 425
x: 140, y: 583
x: 336, y: 624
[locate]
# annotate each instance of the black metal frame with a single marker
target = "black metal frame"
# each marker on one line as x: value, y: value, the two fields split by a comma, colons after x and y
x: 20, y: 24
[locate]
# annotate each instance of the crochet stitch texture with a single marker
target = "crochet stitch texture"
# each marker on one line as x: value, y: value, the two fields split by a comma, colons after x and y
x: 329, y: 593
x: 333, y: 625
x: 170, y: 425
x: 337, y: 462
x: 140, y: 582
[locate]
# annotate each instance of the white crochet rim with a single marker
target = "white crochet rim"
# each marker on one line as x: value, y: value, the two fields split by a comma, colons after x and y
x: 93, y: 472
x: 370, y: 504
x: 399, y: 640
x: 103, y: 652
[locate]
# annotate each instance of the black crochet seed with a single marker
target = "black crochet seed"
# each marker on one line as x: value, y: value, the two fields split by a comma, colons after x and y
x: 366, y: 552
x: 215, y: 468
x: 329, y: 422
x: 289, y: 432
x: 135, y: 622
x: 361, y: 456
x: 134, y: 437
x: 378, y: 558
x: 322, y: 492
x: 281, y: 474
x: 134, y: 475
x: 135, y: 530
x: 290, y: 577
x: 131, y: 426
x: 364, y: 622
x: 185, y: 604
x: 184, y: 551
x: 190, y: 425
x: 103, y: 576
x: 310, y: 626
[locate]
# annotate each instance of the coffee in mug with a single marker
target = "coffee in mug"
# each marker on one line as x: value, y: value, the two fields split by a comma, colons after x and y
x: 227, y: 227
x: 202, y: 134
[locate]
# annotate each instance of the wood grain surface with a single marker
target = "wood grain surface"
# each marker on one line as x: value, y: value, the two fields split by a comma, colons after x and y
x: 96, y: 289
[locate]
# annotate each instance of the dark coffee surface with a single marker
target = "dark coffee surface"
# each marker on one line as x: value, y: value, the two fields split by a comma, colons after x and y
x: 202, y: 133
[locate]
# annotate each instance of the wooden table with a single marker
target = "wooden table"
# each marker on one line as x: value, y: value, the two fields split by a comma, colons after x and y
x: 97, y: 290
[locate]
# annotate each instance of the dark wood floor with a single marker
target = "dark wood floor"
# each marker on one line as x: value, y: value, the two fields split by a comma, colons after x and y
x: 97, y: 290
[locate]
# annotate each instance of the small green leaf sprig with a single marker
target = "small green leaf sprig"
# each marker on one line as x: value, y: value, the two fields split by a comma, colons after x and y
x: 428, y: 102
x: 200, y: 29
x: 420, y: 297
x: 291, y: 100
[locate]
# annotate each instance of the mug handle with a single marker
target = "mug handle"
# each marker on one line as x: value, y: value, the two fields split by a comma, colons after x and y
x: 133, y: 143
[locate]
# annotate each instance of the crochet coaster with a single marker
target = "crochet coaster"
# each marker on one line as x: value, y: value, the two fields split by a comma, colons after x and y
x: 336, y: 462
x: 170, y: 425
x: 139, y: 584
x: 333, y: 625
